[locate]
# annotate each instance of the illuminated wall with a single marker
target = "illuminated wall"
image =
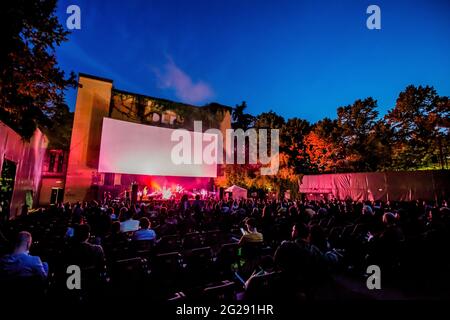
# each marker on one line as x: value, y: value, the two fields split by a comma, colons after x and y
x: 93, y: 102
x: 28, y: 157
x: 54, y: 169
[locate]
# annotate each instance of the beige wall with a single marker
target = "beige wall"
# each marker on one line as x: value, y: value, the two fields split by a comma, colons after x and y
x: 46, y: 189
x: 93, y: 102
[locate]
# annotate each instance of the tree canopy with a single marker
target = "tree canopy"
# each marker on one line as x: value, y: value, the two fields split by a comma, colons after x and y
x: 413, y: 135
x: 31, y: 83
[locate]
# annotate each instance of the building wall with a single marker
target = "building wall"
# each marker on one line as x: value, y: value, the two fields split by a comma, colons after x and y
x: 28, y: 157
x: 53, y: 176
x: 92, y: 104
x: 47, y: 185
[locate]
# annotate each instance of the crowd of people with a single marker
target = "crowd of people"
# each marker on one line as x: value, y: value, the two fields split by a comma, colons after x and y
x: 227, y: 249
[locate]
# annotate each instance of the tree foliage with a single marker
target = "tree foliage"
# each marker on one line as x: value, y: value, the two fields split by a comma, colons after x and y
x: 241, y: 119
x: 420, y: 123
x: 31, y: 82
x: 59, y: 130
x: 414, y: 134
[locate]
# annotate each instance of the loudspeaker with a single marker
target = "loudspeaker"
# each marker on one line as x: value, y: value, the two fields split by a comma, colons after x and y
x: 134, y: 191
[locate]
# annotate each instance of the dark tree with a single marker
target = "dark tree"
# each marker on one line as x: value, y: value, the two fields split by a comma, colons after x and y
x: 242, y: 120
x: 31, y: 82
x: 357, y: 124
x: 269, y: 120
x: 59, y: 129
x: 420, y: 123
x: 292, y: 144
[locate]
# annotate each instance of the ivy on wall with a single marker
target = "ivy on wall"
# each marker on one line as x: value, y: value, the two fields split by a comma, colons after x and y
x: 140, y: 108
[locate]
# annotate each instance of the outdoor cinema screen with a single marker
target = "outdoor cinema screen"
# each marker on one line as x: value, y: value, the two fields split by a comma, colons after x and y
x: 132, y: 148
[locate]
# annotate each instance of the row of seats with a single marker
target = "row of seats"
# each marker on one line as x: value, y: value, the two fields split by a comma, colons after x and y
x: 162, y: 274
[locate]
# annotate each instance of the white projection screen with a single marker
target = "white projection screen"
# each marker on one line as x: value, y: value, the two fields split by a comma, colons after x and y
x: 131, y: 148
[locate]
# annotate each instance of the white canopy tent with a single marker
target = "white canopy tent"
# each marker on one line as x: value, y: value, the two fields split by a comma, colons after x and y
x: 237, y: 192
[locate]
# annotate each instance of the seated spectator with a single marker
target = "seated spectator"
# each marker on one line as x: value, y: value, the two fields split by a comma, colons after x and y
x: 80, y: 252
x: 251, y: 236
x: 309, y: 211
x: 112, y: 214
x: 129, y: 224
x: 297, y: 254
x: 144, y: 233
x: 320, y: 248
x: 20, y: 263
x: 317, y: 239
x: 115, y: 237
x: 266, y: 266
x: 300, y: 235
x: 255, y: 213
x: 76, y: 220
x: 171, y: 219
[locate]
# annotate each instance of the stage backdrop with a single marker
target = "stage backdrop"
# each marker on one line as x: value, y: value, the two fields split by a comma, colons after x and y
x: 394, y: 186
x: 132, y: 148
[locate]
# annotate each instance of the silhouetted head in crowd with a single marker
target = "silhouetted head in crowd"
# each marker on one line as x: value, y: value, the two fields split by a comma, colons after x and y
x: 77, y: 219
x: 367, y: 210
x: 293, y: 211
x: 433, y: 215
x: 23, y: 242
x: 115, y: 227
x: 300, y: 231
x: 389, y: 218
x: 266, y: 263
x: 144, y: 223
x: 124, y: 214
x: 82, y: 233
x: 267, y: 212
x: 251, y: 225
x: 317, y: 237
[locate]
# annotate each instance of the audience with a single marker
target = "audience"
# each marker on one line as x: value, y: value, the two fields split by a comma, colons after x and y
x: 310, y: 241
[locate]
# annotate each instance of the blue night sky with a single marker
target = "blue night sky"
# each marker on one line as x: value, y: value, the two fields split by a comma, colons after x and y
x: 300, y: 58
